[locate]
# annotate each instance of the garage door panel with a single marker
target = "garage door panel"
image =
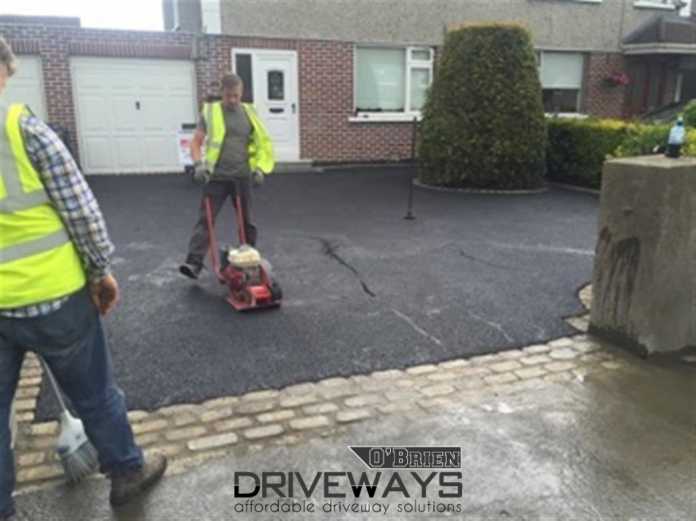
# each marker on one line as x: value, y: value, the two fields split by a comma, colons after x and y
x: 140, y: 104
x: 98, y: 153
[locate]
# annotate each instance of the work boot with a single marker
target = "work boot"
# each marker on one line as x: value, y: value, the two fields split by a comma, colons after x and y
x: 190, y: 269
x: 128, y: 485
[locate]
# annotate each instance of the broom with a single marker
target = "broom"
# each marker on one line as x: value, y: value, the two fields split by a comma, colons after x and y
x: 77, y: 455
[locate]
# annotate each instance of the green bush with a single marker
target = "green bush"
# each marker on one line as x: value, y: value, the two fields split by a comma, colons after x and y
x: 577, y: 148
x: 483, y: 124
x: 642, y: 140
x: 690, y: 114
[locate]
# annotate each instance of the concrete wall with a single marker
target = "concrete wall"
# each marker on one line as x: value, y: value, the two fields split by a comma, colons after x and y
x: 555, y: 24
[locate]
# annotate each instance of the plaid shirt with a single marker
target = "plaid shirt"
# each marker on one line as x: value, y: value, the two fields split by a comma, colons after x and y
x: 73, y: 200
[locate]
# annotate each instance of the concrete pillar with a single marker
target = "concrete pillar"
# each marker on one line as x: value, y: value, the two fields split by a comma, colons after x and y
x: 644, y: 281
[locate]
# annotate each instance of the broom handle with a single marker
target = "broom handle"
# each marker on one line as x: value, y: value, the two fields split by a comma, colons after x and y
x: 54, y: 384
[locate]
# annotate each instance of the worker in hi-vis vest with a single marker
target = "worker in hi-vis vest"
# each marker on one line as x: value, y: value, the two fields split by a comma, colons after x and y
x: 55, y: 281
x: 238, y: 153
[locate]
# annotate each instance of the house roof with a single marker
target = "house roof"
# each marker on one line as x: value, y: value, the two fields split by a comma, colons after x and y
x: 666, y: 34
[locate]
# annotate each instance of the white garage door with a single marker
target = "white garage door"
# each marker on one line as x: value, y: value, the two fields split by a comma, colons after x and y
x: 128, y: 112
x: 26, y: 86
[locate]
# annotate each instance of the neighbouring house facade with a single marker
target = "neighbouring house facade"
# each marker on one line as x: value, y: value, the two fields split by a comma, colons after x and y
x: 335, y: 81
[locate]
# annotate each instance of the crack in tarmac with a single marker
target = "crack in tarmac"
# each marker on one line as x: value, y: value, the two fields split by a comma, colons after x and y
x: 331, y: 251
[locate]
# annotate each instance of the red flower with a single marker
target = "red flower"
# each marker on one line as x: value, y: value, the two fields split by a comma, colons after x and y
x: 617, y: 79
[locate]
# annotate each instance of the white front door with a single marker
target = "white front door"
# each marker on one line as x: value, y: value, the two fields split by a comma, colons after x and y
x: 27, y: 86
x: 270, y: 79
x: 129, y: 111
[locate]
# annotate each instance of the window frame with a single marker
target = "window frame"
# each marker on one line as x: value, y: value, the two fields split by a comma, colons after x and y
x: 539, y: 53
x: 410, y: 64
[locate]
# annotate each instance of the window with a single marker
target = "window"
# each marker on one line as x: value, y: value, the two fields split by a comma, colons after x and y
x: 668, y: 5
x: 392, y: 80
x: 276, y: 86
x: 242, y: 67
x: 561, y: 80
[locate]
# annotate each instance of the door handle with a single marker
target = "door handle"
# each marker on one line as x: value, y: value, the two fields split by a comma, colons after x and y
x: 294, y: 108
x: 137, y: 105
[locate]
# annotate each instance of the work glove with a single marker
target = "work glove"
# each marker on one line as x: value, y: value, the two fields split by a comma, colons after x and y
x: 200, y: 174
x: 257, y: 177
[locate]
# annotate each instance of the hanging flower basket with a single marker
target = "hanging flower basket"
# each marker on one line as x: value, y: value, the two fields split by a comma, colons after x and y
x: 617, y: 79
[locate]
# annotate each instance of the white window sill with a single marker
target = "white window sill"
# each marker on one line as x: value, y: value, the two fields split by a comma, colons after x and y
x: 566, y: 115
x: 647, y: 4
x: 377, y: 117
x: 586, y: 1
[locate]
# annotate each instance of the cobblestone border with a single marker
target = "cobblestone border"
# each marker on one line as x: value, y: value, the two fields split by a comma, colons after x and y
x: 424, y: 186
x: 193, y: 433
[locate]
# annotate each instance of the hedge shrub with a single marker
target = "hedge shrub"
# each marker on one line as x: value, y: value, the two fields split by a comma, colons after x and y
x: 483, y: 124
x: 577, y: 148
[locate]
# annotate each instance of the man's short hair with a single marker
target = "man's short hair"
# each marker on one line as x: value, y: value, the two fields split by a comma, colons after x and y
x: 231, y: 81
x: 7, y: 57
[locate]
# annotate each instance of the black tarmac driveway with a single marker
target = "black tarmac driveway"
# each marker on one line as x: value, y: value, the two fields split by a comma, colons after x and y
x: 365, y: 289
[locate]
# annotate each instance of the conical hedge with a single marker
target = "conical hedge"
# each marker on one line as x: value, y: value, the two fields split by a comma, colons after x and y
x: 483, y: 124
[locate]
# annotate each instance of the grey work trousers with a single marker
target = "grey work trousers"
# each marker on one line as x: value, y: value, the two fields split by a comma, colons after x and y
x: 218, y: 191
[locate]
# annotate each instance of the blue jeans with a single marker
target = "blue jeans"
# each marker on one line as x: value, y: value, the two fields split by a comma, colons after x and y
x: 72, y: 342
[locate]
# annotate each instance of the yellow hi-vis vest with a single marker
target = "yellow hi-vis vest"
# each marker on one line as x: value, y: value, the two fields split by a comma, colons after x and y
x: 38, y: 261
x: 260, y: 147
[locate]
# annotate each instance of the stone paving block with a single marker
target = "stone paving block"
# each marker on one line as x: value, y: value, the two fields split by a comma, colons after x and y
x: 25, y: 417
x: 144, y: 440
x: 217, y: 414
x: 512, y: 354
x: 437, y: 403
x: 260, y: 395
x: 30, y: 458
x: 407, y: 383
x: 561, y: 342
x: 185, y: 433
x: 536, y: 349
x: 535, y: 359
x: 363, y: 400
x: 334, y: 382
x: 235, y: 423
x: 437, y: 390
x: 212, y: 442
x: 263, y: 432
x: 175, y: 410
x: 402, y: 395
x: 499, y: 378
x: 421, y: 369
x: 331, y: 393
x: 255, y: 407
x: 557, y: 367
x: 475, y: 371
x: 504, y: 367
x: 303, y: 389
x: 44, y: 429
x: 612, y: 365
x: 470, y: 383
x: 25, y: 405
x: 353, y: 415
x: 297, y: 401
x: 483, y: 359
x: 150, y: 426
x: 561, y: 377
x: 171, y: 451
x: 312, y: 422
x: 586, y: 347
x: 531, y: 372
x: 225, y: 401
x: 396, y: 407
x: 136, y: 416
x: 565, y: 353
x: 185, y: 419
x: 389, y: 374
x: 29, y: 382
x: 454, y: 364
x: 443, y: 376
x: 40, y: 473
x: 320, y: 408
x: 27, y: 392
x: 276, y: 416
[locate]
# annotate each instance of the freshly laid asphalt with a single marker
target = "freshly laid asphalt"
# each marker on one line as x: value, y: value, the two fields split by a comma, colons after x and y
x: 364, y: 289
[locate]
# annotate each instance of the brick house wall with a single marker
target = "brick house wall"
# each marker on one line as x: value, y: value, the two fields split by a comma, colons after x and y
x: 598, y: 98
x: 325, y: 71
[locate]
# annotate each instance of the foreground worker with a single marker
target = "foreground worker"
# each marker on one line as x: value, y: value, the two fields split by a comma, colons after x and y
x: 55, y: 281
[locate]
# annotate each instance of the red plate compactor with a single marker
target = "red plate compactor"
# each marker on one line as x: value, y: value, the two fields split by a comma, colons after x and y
x: 242, y: 269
